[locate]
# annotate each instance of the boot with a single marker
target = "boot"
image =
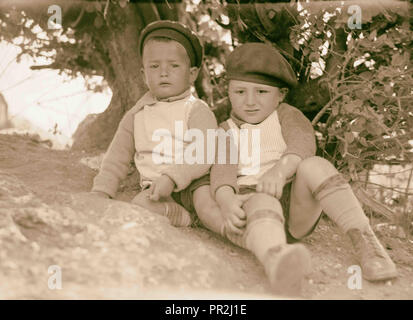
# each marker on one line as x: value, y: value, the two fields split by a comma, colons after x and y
x: 286, y: 265
x: 374, y: 261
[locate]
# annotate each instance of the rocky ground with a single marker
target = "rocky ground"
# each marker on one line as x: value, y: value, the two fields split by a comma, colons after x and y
x: 51, y: 227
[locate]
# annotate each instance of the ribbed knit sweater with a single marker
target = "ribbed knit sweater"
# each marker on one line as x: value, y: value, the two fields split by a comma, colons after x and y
x: 123, y: 147
x: 298, y: 134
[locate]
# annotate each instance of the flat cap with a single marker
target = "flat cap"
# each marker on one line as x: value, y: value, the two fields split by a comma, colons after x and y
x: 260, y: 63
x: 175, y: 31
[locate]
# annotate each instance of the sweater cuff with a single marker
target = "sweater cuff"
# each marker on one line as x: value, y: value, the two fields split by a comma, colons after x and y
x: 216, y: 186
x: 302, y: 155
x: 181, y: 179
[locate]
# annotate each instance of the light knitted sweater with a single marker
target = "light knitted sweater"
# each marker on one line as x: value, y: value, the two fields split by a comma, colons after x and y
x: 260, y: 146
x: 125, y: 144
x: 298, y: 135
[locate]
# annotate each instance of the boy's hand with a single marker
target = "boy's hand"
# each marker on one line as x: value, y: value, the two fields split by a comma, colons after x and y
x: 235, y: 217
x: 274, y: 179
x: 100, y: 194
x: 272, y: 182
x: 161, y: 188
x: 231, y: 208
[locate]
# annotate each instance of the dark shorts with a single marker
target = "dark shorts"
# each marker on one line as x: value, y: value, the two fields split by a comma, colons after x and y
x: 285, y: 204
x: 186, y: 197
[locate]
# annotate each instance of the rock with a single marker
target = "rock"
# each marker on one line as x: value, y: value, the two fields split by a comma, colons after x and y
x: 93, y: 162
x: 114, y: 243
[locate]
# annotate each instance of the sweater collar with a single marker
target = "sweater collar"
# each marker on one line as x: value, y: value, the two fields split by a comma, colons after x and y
x: 150, y: 99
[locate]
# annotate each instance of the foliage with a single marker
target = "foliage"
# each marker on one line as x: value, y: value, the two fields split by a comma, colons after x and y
x: 369, y: 115
x: 368, y: 121
x: 77, y: 48
x: 210, y: 20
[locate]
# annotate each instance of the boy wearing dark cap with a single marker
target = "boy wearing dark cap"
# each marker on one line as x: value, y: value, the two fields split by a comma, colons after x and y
x: 171, y: 57
x: 292, y: 186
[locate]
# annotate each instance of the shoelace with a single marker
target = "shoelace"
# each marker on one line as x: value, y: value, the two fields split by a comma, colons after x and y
x: 374, y: 244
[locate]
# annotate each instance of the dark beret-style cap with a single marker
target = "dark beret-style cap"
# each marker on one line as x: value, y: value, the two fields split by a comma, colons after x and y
x: 260, y: 63
x: 175, y: 31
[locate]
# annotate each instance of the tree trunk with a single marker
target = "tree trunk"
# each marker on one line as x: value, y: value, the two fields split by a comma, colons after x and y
x: 124, y: 73
x: 4, y: 118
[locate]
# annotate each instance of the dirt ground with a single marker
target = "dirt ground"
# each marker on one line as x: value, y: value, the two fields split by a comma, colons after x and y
x: 112, y: 249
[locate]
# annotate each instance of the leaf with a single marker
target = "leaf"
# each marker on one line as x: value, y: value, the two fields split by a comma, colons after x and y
x: 316, y: 43
x: 379, y: 100
x: 98, y: 5
x: 367, y: 75
x: 123, y: 3
x: 358, y: 103
x: 382, y: 38
x: 390, y: 43
x: 348, y: 108
x: 397, y: 59
x: 306, y: 51
x: 295, y: 45
x: 410, y: 121
x: 373, y: 128
x: 358, y: 125
x: 98, y: 23
x: 314, y: 56
x: 363, y: 142
x: 349, y: 137
x: 89, y: 7
x: 388, y: 89
x: 362, y: 94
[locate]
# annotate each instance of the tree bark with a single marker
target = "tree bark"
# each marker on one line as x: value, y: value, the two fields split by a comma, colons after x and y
x: 4, y: 118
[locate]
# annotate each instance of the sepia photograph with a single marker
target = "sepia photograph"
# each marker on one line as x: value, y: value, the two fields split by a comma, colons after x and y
x: 188, y: 150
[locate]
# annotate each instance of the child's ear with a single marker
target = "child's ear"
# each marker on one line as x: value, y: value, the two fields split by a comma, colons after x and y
x: 284, y: 92
x: 144, y: 76
x: 193, y: 74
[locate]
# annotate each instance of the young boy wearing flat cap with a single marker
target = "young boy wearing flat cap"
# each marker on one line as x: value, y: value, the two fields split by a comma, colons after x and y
x: 171, y: 57
x: 293, y: 186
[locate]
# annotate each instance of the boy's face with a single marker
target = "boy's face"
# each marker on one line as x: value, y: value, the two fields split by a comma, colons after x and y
x: 253, y: 102
x: 166, y: 68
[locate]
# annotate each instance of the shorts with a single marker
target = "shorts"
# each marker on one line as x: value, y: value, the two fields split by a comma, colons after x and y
x: 285, y: 204
x: 186, y: 197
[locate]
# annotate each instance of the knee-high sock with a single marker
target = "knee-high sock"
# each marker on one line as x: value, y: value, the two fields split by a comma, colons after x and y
x: 265, y: 229
x: 340, y: 204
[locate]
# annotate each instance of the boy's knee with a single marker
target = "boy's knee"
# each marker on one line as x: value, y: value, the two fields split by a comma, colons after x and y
x: 330, y: 185
x: 315, y: 166
x: 262, y: 202
x: 262, y: 209
x: 203, y: 201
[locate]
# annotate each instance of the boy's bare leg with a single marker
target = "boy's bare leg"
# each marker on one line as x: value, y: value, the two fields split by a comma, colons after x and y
x: 208, y: 210
x: 305, y: 210
x: 319, y: 186
x: 177, y: 215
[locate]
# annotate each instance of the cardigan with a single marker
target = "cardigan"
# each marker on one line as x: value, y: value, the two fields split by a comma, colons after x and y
x: 298, y: 134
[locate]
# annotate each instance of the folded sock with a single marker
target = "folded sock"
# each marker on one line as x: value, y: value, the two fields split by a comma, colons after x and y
x: 177, y: 215
x: 341, y: 205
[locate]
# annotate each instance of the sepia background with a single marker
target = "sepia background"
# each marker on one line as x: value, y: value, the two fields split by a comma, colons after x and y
x: 69, y: 70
